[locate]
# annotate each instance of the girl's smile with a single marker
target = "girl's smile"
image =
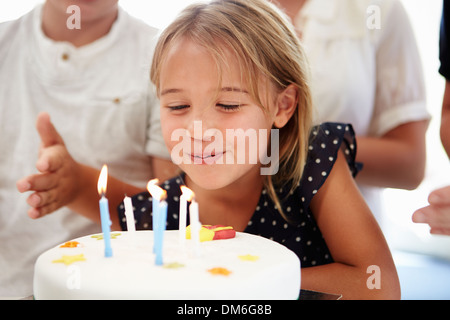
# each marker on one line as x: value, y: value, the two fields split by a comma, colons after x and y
x: 207, y: 157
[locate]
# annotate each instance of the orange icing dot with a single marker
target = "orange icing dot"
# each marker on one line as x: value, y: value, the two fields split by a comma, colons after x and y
x: 219, y: 271
x: 70, y: 244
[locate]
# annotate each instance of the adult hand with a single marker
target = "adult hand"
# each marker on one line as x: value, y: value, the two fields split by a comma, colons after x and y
x: 56, y: 184
x: 437, y: 213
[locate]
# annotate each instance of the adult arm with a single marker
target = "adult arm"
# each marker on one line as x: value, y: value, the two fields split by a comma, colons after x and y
x: 395, y: 160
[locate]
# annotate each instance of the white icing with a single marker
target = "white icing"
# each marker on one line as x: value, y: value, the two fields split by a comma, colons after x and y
x: 132, y: 274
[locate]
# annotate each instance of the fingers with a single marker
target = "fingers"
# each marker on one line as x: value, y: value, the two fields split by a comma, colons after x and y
x: 52, y: 151
x: 437, y: 213
x: 37, y: 182
x: 44, y: 200
x: 39, y: 212
x: 438, y: 218
x: 440, y: 197
x: 42, y: 203
x: 51, y: 158
x: 47, y: 132
x: 23, y: 185
x: 440, y: 231
x: 41, y: 199
x: 425, y: 215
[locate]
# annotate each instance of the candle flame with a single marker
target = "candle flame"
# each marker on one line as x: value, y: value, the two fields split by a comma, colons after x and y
x: 156, y: 191
x: 188, y: 193
x: 102, y: 180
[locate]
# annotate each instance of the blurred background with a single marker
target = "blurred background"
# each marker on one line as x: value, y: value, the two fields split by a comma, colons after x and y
x: 423, y: 260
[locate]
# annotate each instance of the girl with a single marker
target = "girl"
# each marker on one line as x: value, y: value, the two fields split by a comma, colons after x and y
x: 238, y: 65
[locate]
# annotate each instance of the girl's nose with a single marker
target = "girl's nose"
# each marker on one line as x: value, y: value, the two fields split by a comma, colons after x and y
x: 202, y: 130
x: 202, y: 125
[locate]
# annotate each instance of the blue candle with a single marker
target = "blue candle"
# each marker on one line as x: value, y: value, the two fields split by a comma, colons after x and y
x: 159, y: 232
x: 104, y: 211
x: 159, y: 218
x: 106, y: 225
x: 153, y: 189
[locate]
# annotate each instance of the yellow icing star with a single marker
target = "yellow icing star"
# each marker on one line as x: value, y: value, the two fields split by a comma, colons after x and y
x: 67, y: 260
x: 248, y: 257
x: 173, y: 265
x: 100, y: 236
x: 220, y: 271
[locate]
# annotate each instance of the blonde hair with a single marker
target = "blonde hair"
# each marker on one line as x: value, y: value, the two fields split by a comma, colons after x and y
x: 265, y: 43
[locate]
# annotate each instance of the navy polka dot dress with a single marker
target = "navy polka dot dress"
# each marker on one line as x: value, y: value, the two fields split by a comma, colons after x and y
x: 301, y: 234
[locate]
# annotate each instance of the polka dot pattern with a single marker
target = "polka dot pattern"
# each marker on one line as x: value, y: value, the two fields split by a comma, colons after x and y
x: 301, y: 234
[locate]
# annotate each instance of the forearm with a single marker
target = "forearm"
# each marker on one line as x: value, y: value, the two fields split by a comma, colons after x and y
x: 445, y: 119
x: 445, y: 131
x: 389, y: 164
x: 396, y: 160
x: 351, y: 282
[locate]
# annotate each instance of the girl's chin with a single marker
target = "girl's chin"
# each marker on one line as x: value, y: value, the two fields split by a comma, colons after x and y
x: 215, y: 177
x: 208, y: 178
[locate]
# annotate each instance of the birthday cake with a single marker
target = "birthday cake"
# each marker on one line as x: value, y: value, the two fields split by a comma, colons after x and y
x: 243, y: 266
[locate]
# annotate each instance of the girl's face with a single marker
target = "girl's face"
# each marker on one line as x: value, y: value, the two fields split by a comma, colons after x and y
x: 210, y: 124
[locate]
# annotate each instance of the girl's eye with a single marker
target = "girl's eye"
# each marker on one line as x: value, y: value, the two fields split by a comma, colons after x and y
x: 178, y: 108
x: 229, y: 107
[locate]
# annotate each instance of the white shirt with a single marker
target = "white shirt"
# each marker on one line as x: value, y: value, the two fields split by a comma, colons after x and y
x: 100, y: 100
x: 367, y: 76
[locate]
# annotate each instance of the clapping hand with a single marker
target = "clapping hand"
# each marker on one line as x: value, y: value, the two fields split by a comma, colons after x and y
x: 56, y: 183
x: 437, y: 213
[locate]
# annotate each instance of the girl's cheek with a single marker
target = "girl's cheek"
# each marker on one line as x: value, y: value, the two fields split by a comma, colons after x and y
x: 166, y: 129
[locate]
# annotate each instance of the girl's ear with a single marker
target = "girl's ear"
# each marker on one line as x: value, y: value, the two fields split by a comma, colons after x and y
x: 286, y: 105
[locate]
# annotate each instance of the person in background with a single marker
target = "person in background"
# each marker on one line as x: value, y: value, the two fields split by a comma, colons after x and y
x: 366, y: 71
x: 94, y: 84
x: 437, y: 213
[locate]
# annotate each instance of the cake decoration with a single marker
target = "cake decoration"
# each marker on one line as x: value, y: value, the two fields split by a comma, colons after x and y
x: 68, y: 260
x: 100, y: 236
x: 215, y: 232
x: 248, y: 257
x: 173, y: 265
x: 220, y: 271
x: 70, y: 244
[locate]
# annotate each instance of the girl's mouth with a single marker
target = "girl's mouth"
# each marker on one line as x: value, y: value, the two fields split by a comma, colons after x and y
x: 207, y: 158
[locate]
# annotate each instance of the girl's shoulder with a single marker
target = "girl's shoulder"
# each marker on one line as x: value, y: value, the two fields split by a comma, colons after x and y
x: 326, y: 140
